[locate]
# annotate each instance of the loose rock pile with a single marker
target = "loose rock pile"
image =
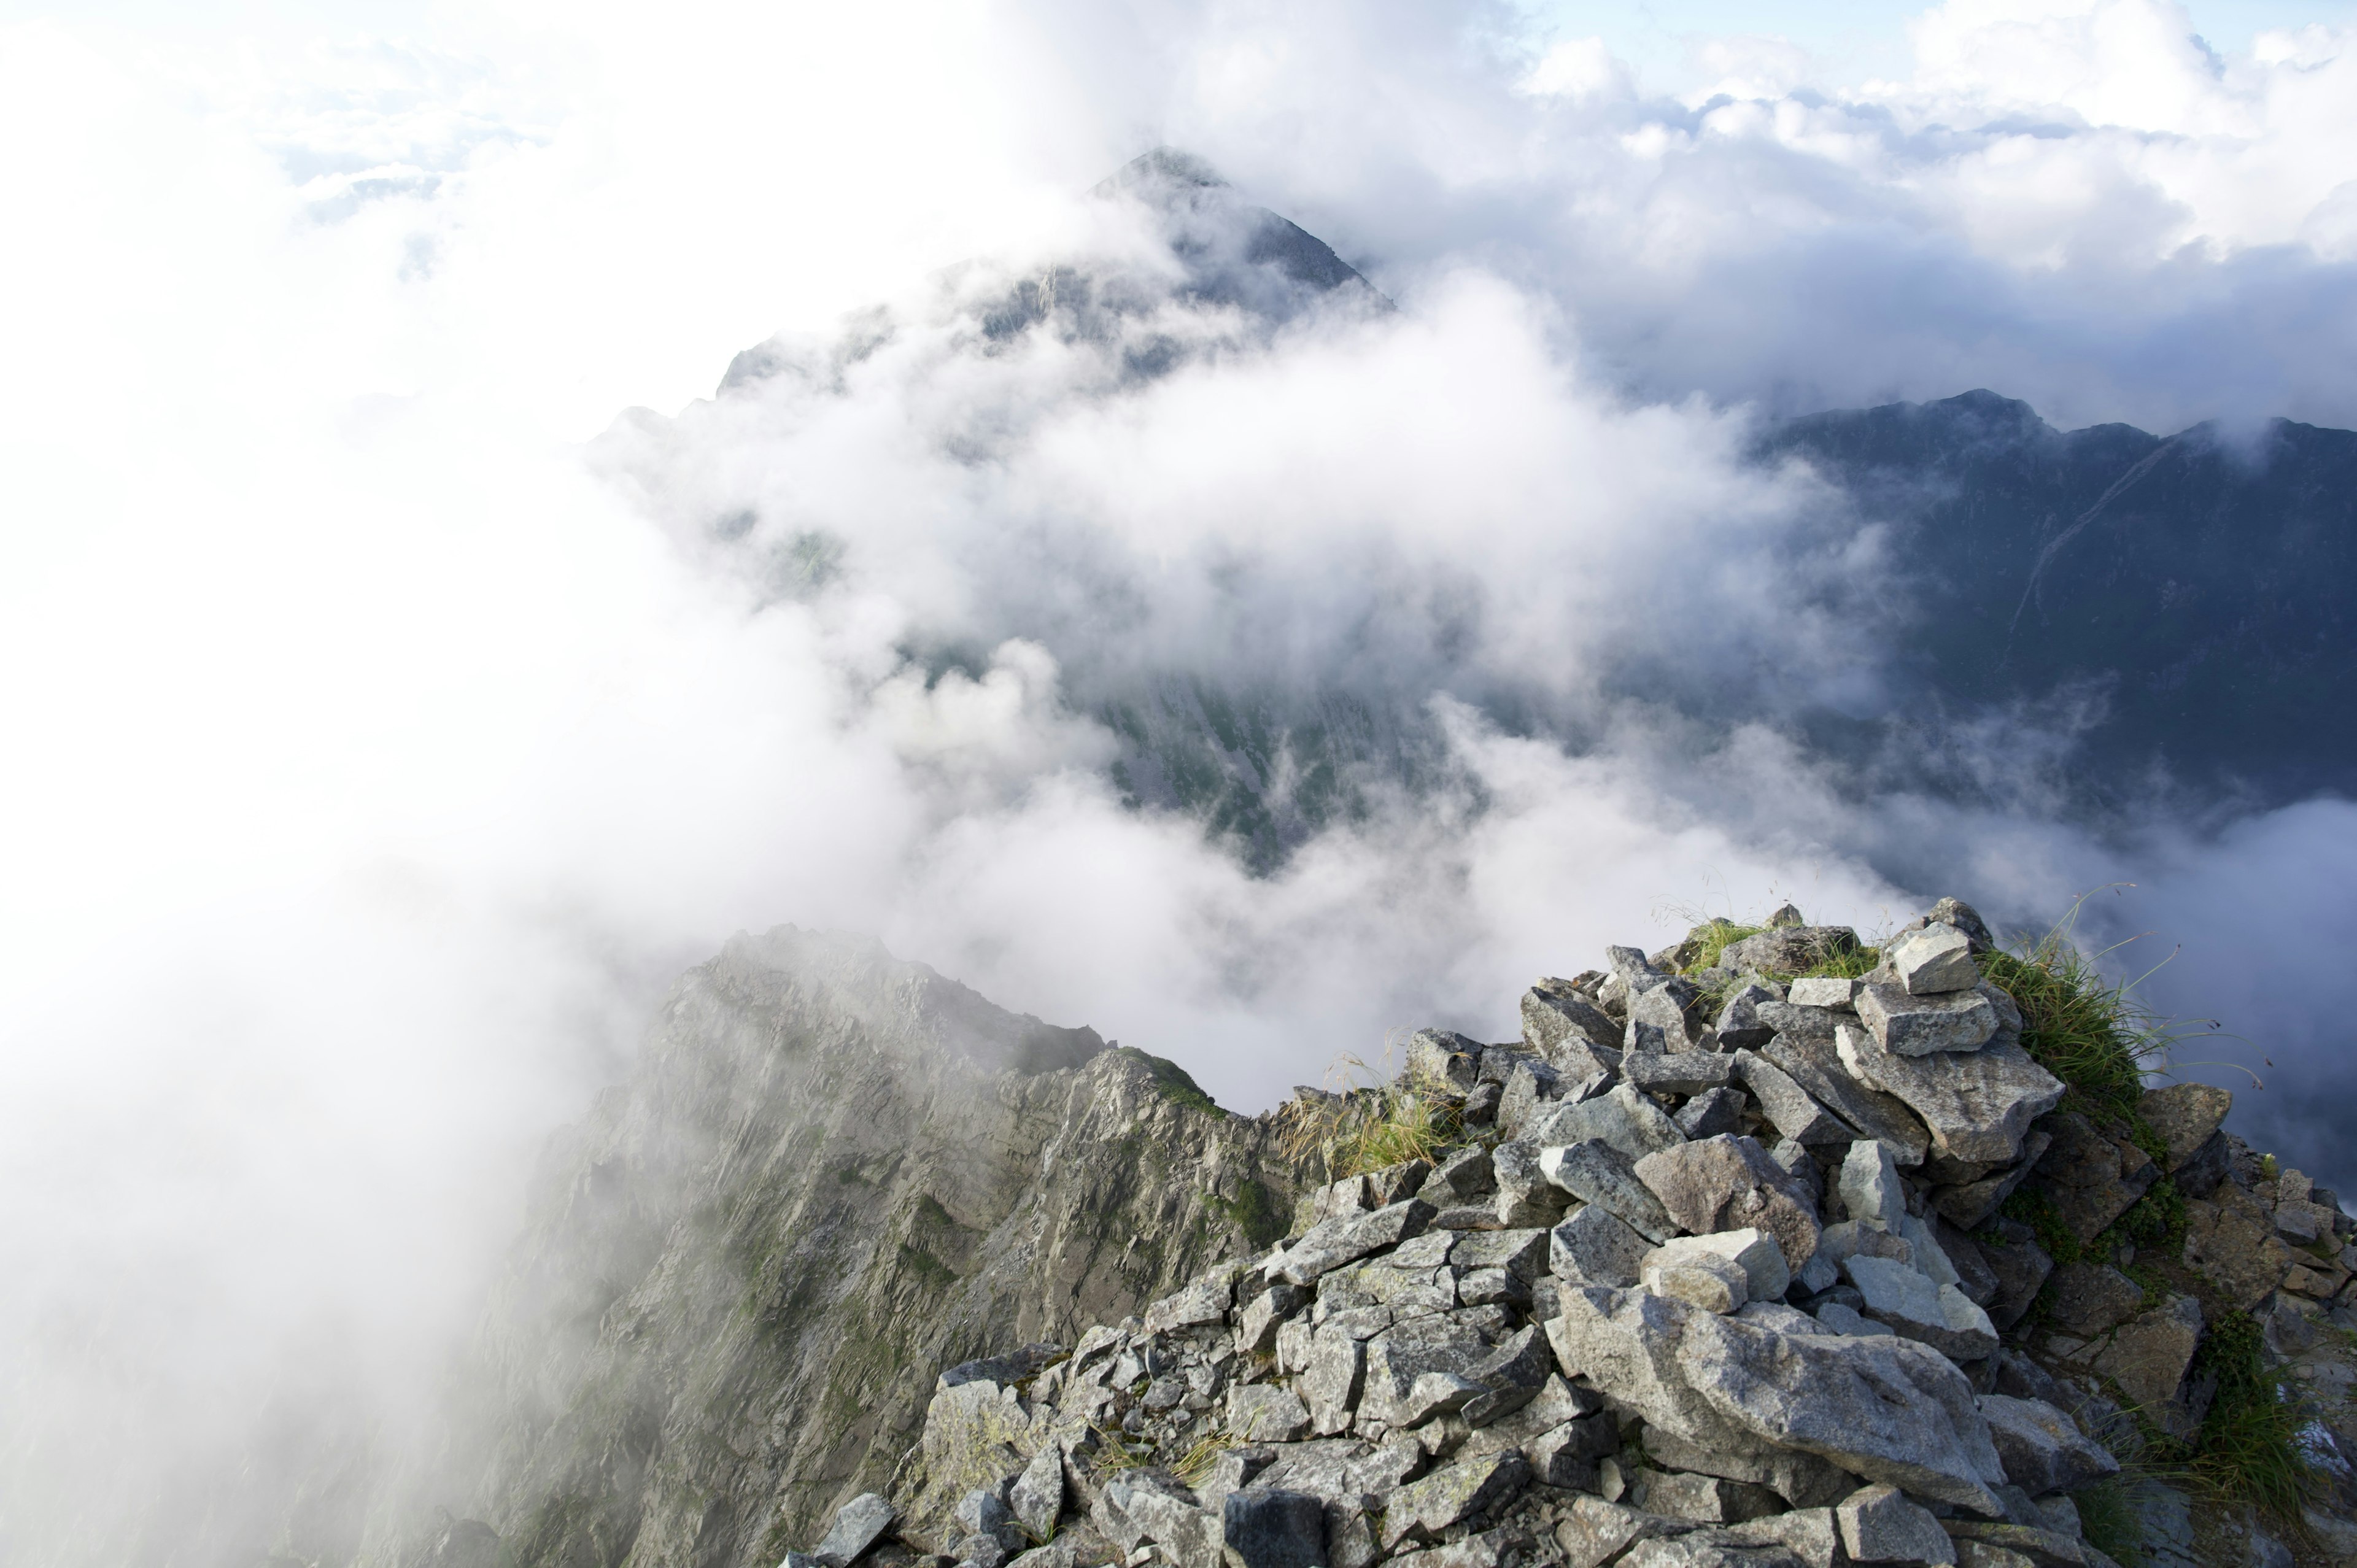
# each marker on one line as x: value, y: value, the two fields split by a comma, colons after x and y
x: 1717, y: 1277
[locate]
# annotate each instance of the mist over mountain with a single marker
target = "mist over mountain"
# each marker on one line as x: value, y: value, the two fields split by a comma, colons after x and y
x: 1525, y: 507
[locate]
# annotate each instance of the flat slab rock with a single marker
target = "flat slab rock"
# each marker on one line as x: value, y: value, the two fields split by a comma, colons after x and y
x: 1729, y: 1183
x: 1885, y: 1409
x: 1977, y: 1104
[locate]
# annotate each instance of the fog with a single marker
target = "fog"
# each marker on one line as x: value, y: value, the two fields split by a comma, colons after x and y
x: 390, y: 720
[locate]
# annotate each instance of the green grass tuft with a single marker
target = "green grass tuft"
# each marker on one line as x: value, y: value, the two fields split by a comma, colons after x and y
x: 2249, y: 1450
x: 1366, y: 1129
x: 2109, y: 1518
x: 2084, y: 1029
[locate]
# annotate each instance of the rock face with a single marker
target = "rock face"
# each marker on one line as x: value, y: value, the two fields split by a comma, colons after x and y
x: 833, y: 1176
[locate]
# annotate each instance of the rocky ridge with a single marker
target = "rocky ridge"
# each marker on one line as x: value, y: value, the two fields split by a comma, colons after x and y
x: 1781, y: 1259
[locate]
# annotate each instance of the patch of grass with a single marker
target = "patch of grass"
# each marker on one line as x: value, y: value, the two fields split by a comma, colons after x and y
x: 2157, y: 1220
x: 926, y: 1267
x: 2249, y: 1450
x: 2032, y: 1208
x: 2110, y: 1521
x: 1194, y: 1465
x: 1366, y: 1128
x: 1707, y: 943
x: 1252, y: 1210
x: 1113, y: 1453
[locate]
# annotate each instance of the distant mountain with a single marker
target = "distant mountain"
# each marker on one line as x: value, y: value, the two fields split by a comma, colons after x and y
x: 2195, y: 589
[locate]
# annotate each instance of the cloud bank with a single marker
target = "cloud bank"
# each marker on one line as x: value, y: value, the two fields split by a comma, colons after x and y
x: 384, y: 743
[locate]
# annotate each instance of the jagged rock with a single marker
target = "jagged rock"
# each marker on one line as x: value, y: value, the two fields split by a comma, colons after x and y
x: 1275, y: 1529
x: 1880, y: 1524
x: 1601, y: 1175
x: 1752, y: 1251
x: 1789, y: 949
x: 2090, y: 1299
x: 1729, y: 1183
x: 1525, y: 1197
x: 2230, y: 1237
x: 1417, y: 1370
x: 1523, y: 1253
x: 2091, y: 1179
x: 1739, y: 1026
x: 1596, y: 1246
x: 1531, y: 1090
x: 1623, y: 1118
x: 1443, y: 1059
x: 2189, y: 1118
x: 1843, y: 1318
x: 1870, y: 1190
x: 1552, y: 1019
x: 2148, y: 1355
x: 1977, y: 1104
x: 1800, y: 1478
x: 1511, y: 1376
x: 1422, y: 1509
x: 2043, y: 1448
x: 1331, y: 1378
x: 1565, y: 1455
x: 1263, y: 1413
x: 1657, y: 1021
x: 1204, y: 1301
x: 1786, y: 1105
x: 981, y: 1551
x: 1480, y: 1109
x: 984, y: 1512
x: 2020, y: 1265
x: 1775, y: 1315
x: 1884, y: 1408
x: 1930, y: 1257
x: 1703, y: 1550
x: 1465, y: 1174
x: 1705, y: 1280
x: 1799, y: 1022
x: 1982, y: 1544
x: 1807, y: 1177
x: 1809, y: 1534
x: 1908, y: 1026
x: 1937, y: 959
x: 1256, y: 1328
x: 1686, y: 1072
x: 1970, y: 1204
x: 1016, y: 1367
x: 1334, y: 1242
x: 1712, y: 1113
x: 1814, y: 1063
x: 858, y: 1525
x: 1635, y: 972
x: 1937, y: 1314
x: 1038, y: 1495
x: 1823, y: 991
x: 1594, y: 1531
x: 1708, y: 1499
x: 1145, y: 1506
x: 1845, y: 1238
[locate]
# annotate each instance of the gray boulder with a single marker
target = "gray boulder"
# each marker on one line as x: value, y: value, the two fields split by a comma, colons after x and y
x: 1466, y: 1176
x: 1934, y: 960
x: 1635, y: 972
x: 1525, y: 1197
x: 1596, y: 1246
x: 2043, y: 1448
x: 1266, y: 1413
x: 1531, y: 1088
x: 1977, y: 1104
x: 1273, y: 1529
x: 1683, y: 1072
x: 1814, y: 1063
x: 1331, y: 1243
x: 1624, y: 1118
x: 1886, y: 1409
x: 1729, y: 1183
x: 1331, y: 1379
x: 1422, y: 1509
x: 1038, y: 1495
x: 1796, y: 1114
x: 2091, y: 1299
x: 1256, y: 1327
x: 1657, y: 1020
x: 1712, y: 1113
x: 1879, y: 1524
x: 1870, y: 1190
x: 1913, y: 1306
x: 1523, y: 1253
x: 858, y: 1525
x: 1444, y: 1059
x: 2187, y: 1116
x: 1417, y: 1370
x: 1739, y: 1026
x: 1598, y: 1174
x: 1911, y: 1026
x: 1839, y: 994
x: 1554, y: 1019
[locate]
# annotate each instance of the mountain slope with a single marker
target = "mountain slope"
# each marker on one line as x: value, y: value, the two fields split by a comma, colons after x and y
x: 2194, y: 588
x: 833, y: 1176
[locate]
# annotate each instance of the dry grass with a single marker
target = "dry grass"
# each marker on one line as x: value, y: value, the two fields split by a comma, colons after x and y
x: 1364, y: 1126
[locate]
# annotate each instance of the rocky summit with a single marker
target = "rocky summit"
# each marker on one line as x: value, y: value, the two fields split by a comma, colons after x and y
x: 1799, y: 1255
